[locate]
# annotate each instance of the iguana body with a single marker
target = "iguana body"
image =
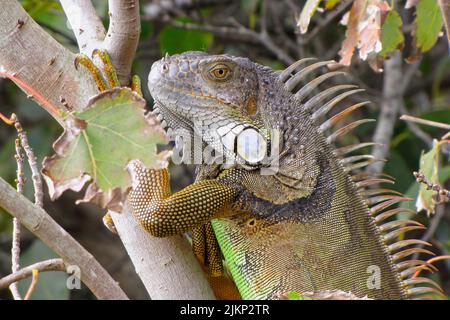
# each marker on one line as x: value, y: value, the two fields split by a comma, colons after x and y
x: 309, y: 225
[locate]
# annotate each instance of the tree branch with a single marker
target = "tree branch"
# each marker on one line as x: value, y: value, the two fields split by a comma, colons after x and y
x: 53, y: 235
x: 415, y: 129
x: 239, y: 34
x: 426, y: 122
x: 16, y: 232
x: 86, y: 24
x: 157, y: 9
x: 172, y: 272
x: 32, y: 162
x: 38, y: 64
x: 392, y: 101
x: 42, y: 266
x: 33, y: 284
x: 123, y: 36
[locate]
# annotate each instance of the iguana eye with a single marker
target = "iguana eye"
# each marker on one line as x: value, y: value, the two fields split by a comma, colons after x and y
x: 220, y: 72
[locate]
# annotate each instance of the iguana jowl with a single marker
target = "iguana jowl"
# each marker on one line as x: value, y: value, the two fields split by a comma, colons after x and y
x: 314, y: 224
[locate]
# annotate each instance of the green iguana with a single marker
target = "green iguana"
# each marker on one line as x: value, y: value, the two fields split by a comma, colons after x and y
x: 299, y: 217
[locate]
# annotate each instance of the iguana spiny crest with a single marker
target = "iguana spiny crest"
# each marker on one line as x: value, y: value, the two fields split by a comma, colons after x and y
x: 313, y: 221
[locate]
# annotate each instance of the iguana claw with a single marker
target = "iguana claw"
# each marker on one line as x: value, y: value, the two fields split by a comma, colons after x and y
x: 93, y: 70
x: 109, y: 71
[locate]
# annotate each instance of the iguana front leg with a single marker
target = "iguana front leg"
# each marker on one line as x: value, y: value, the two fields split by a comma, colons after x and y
x: 164, y: 214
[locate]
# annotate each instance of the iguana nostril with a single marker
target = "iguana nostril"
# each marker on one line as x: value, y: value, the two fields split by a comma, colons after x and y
x: 165, y: 67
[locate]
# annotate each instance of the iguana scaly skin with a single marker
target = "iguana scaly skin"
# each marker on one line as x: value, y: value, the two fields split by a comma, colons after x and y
x: 314, y: 223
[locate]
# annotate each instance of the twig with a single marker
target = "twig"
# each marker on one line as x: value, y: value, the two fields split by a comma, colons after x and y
x: 239, y: 34
x: 409, y: 74
x: 34, y: 280
x: 15, y: 257
x: 22, y: 142
x: 15, y: 247
x: 53, y: 235
x: 86, y: 24
x: 443, y: 195
x: 392, y: 100
x: 42, y: 266
x: 416, y: 129
x: 122, y: 37
x: 235, y: 33
x: 20, y: 181
x: 6, y: 120
x: 426, y: 122
x: 156, y: 9
x: 35, y: 173
x: 278, y: 14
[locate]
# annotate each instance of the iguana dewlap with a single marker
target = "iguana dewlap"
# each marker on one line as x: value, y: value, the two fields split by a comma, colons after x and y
x: 289, y: 210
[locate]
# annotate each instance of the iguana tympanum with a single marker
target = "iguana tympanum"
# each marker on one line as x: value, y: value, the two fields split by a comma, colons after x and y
x: 306, y: 220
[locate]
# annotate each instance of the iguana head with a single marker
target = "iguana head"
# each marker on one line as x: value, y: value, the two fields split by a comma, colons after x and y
x: 214, y: 96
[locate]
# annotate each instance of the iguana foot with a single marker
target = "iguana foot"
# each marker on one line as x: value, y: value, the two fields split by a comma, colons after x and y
x: 108, y: 69
x: 93, y: 70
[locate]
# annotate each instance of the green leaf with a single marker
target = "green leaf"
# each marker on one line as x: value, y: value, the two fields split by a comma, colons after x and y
x: 428, y: 24
x: 174, y: 40
x: 100, y: 141
x: 391, y: 33
x: 429, y: 166
x: 51, y: 285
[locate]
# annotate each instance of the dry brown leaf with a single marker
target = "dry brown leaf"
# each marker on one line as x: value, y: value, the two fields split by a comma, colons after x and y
x: 363, y: 29
x: 62, y: 145
x: 351, y: 39
x: 369, y: 29
x: 97, y: 144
